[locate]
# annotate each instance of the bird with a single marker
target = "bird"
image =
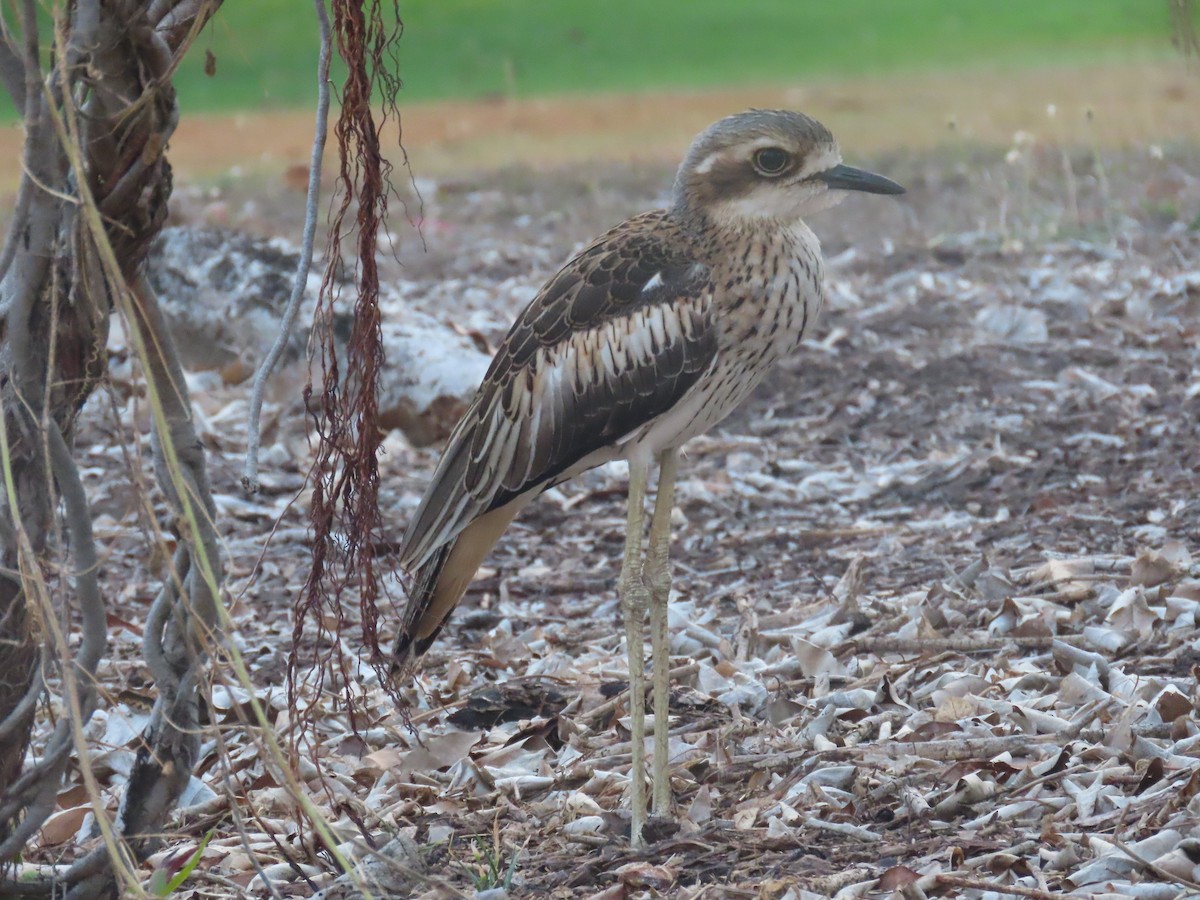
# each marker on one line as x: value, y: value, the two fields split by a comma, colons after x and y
x: 648, y: 337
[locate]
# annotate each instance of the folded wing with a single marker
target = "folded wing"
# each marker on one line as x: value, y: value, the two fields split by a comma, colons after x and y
x: 613, y: 341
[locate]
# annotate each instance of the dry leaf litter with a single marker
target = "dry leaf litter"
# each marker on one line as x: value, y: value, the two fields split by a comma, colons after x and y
x: 934, y: 622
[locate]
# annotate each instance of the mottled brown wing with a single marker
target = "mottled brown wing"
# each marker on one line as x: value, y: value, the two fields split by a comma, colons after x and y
x: 613, y: 341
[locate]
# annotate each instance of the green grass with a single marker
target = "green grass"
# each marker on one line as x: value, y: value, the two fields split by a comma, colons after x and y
x: 265, y: 49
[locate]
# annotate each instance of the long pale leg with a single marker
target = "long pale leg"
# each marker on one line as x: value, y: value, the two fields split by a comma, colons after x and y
x: 634, y: 595
x: 658, y: 576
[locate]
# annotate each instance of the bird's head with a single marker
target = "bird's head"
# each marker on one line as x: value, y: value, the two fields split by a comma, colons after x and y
x: 764, y: 166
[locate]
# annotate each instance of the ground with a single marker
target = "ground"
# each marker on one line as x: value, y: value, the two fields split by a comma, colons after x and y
x: 1122, y: 105
x: 935, y: 606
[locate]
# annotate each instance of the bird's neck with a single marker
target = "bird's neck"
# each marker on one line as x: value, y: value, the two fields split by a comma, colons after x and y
x: 715, y: 235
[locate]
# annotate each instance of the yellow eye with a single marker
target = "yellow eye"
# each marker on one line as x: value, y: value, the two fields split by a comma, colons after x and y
x: 772, y: 161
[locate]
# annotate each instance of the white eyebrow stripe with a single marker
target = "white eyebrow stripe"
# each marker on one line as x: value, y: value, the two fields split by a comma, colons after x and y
x: 707, y: 163
x: 762, y: 142
x: 823, y: 161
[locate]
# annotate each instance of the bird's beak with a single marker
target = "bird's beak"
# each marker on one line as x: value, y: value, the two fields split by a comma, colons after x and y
x: 848, y: 178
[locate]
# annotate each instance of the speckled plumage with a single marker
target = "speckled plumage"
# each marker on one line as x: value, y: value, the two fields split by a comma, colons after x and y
x: 651, y: 335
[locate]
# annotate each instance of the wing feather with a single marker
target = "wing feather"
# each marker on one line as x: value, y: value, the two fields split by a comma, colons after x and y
x: 614, y: 340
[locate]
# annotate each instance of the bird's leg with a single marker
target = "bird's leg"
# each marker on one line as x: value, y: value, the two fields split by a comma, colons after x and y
x: 633, y: 606
x: 658, y: 576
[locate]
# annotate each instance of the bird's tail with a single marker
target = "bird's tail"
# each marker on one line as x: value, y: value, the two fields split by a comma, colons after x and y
x: 439, y: 582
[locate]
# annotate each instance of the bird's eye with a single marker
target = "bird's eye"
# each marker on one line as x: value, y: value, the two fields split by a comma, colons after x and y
x: 771, y: 161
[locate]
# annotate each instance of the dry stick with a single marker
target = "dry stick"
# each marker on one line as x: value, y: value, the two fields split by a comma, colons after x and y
x: 980, y: 885
x: 963, y: 748
x: 250, y: 473
x: 831, y: 884
x: 967, y: 644
x: 1153, y: 866
x: 177, y: 456
x: 239, y: 820
x: 842, y: 828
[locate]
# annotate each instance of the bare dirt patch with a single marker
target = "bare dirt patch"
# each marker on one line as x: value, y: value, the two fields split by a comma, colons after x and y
x: 1131, y: 104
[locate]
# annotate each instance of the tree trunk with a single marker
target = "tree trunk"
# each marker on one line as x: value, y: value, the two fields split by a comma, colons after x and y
x: 93, y: 198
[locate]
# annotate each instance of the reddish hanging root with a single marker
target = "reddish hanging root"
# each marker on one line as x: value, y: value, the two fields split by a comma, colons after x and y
x: 345, y: 474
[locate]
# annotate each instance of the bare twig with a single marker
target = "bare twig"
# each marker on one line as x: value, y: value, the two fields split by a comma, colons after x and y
x: 831, y: 884
x: 300, y: 281
x: 963, y: 748
x: 978, y: 884
x: 968, y: 644
x: 986, y: 859
x: 846, y: 829
x: 1151, y: 866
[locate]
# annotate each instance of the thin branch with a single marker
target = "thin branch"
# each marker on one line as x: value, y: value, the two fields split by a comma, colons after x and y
x: 156, y: 620
x: 915, y: 646
x: 978, y: 884
x: 79, y: 680
x: 239, y: 820
x: 250, y: 474
x: 83, y: 547
x: 1153, y: 867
